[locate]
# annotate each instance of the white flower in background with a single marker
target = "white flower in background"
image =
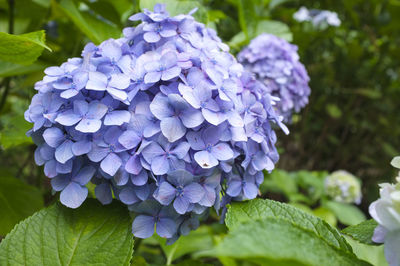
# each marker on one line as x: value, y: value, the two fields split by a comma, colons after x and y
x: 317, y: 17
x: 302, y: 14
x: 386, y: 211
x: 344, y: 187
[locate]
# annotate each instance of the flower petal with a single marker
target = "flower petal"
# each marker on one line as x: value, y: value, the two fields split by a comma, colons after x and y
x: 143, y: 226
x: 172, y: 128
x: 205, y: 159
x: 111, y: 164
x: 73, y: 195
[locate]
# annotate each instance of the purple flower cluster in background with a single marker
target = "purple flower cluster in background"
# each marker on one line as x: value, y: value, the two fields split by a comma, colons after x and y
x: 275, y: 63
x: 163, y: 119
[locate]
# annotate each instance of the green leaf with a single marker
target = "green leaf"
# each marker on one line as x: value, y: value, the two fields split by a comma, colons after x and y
x: 90, y: 235
x: 197, y: 240
x: 96, y: 30
x: 264, y: 209
x: 277, y: 28
x: 326, y: 215
x: 8, y: 69
x: 333, y: 110
x: 22, y: 49
x: 362, y: 232
x: 274, y: 241
x: 346, y: 213
x: 17, y: 201
x: 13, y: 130
x: 372, y: 254
x: 396, y: 162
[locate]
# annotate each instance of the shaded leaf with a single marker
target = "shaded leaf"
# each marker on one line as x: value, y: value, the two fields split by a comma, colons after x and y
x: 362, y: 232
x: 96, y: 30
x: 90, y: 235
x: 17, y: 201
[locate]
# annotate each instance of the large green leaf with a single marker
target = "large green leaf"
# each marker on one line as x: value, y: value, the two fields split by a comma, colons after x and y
x: 95, y: 29
x: 346, y: 213
x: 22, y: 49
x: 90, y: 235
x: 362, y: 232
x: 274, y: 241
x: 259, y: 209
x: 17, y: 201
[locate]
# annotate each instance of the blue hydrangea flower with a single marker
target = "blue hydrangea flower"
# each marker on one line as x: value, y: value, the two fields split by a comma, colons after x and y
x: 276, y: 64
x: 164, y: 120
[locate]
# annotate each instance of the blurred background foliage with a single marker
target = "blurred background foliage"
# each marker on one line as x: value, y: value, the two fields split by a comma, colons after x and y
x: 351, y: 122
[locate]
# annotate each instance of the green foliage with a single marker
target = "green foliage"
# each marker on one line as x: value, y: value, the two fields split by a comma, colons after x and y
x: 18, y: 200
x: 268, y: 232
x: 91, y: 235
x: 372, y: 254
x: 200, y: 239
x: 96, y: 30
x: 347, y: 214
x: 362, y: 232
x: 262, y: 209
x: 22, y: 49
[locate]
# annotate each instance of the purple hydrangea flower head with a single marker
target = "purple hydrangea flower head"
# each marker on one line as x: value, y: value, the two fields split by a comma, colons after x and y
x: 275, y: 63
x: 164, y: 119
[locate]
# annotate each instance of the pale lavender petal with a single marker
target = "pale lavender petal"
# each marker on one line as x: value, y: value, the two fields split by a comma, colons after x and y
x: 143, y: 226
x: 234, y: 188
x: 81, y: 147
x: 151, y: 151
x: 152, y: 77
x: 160, y: 165
x: 191, y: 118
x: 87, y: 125
x: 117, y: 94
x: 119, y: 81
x: 53, y: 137
x: 166, y: 227
x: 171, y: 73
x: 133, y: 165
x: 222, y: 151
x: 84, y: 175
x: 160, y: 107
x: 73, y: 195
x: 151, y: 37
x: 117, y: 118
x: 128, y: 196
x: 165, y: 193
x: 181, y: 150
x: 97, y: 81
x: 98, y: 153
x: 129, y: 139
x: 181, y: 204
x: 205, y: 159
x: 250, y: 190
x: 140, y: 179
x: 111, y: 164
x: 68, y: 118
x: 64, y: 151
x: 194, y: 192
x: 172, y: 128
